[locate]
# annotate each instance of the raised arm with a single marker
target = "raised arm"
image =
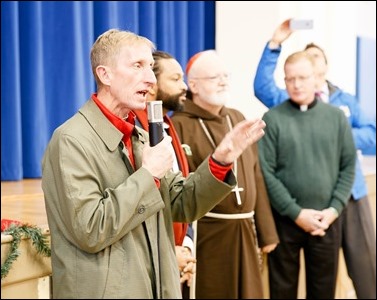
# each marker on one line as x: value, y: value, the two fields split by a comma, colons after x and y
x: 265, y: 87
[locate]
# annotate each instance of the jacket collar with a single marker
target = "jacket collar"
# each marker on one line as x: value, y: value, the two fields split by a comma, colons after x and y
x: 107, y: 132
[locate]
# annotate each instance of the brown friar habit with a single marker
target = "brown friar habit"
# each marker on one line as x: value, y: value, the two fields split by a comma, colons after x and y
x: 141, y: 115
x: 227, y: 259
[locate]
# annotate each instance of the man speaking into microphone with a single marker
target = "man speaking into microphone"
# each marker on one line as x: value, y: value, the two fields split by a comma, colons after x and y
x: 110, y: 222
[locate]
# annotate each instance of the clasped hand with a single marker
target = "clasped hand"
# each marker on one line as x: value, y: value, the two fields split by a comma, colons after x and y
x: 186, y: 264
x: 316, y: 222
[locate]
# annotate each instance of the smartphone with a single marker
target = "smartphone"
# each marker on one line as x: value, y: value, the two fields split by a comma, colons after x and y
x: 297, y: 24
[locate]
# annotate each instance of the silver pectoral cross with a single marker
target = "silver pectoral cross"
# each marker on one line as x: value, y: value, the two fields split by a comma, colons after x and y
x: 237, y: 191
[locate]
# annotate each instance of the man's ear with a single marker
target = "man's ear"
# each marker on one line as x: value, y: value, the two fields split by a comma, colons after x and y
x: 192, y: 86
x: 104, y: 74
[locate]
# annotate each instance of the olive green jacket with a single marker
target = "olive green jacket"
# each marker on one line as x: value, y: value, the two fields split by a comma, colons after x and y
x: 111, y: 227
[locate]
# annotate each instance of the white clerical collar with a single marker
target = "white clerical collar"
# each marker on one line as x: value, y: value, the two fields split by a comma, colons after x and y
x: 304, y: 107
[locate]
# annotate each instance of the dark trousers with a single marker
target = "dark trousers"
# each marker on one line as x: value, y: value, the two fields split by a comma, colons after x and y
x: 359, y: 247
x: 321, y: 261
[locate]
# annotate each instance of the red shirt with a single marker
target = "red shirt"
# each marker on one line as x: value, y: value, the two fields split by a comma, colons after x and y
x: 125, y: 126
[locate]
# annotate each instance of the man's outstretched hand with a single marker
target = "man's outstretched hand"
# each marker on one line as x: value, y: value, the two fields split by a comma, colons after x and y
x: 238, y: 139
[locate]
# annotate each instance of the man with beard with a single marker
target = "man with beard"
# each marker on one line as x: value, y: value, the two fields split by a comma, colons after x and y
x: 243, y: 219
x: 171, y: 89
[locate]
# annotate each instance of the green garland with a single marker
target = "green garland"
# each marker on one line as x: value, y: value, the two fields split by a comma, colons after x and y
x: 29, y: 231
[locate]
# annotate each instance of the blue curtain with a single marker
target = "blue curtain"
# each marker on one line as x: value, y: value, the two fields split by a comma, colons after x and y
x: 45, y: 66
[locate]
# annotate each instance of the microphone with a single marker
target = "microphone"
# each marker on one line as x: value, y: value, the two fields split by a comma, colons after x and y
x: 156, y: 121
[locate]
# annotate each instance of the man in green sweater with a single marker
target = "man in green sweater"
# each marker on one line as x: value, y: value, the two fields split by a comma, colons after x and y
x: 308, y: 160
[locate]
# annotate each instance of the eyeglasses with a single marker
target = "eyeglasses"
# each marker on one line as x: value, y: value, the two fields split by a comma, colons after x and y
x: 301, y: 79
x: 215, y: 78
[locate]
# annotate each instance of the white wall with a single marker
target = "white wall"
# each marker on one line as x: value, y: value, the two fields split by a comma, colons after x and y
x: 243, y: 29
